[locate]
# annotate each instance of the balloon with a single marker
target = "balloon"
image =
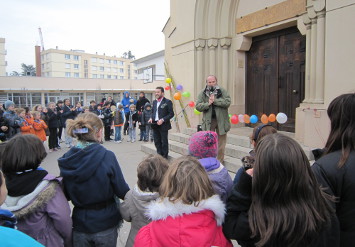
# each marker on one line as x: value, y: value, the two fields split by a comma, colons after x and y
x: 177, y: 96
x: 253, y: 119
x: 281, y: 118
x: 179, y: 87
x: 191, y: 104
x: 197, y: 112
x: 186, y: 94
x: 264, y: 119
x: 167, y: 88
x: 246, y: 118
x: 241, y: 118
x: 229, y: 115
x: 168, y: 80
x: 234, y: 119
x: 272, y: 117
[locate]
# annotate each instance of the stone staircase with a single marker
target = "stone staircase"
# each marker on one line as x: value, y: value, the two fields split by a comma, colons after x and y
x: 238, y: 146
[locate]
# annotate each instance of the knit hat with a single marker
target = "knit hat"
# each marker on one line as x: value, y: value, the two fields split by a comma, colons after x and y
x: 8, y: 103
x: 204, y: 144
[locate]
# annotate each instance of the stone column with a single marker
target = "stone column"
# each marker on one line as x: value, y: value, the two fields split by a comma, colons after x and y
x: 212, y: 45
x: 199, y: 84
x: 319, y: 95
x: 307, y: 22
x: 313, y: 61
x: 225, y: 44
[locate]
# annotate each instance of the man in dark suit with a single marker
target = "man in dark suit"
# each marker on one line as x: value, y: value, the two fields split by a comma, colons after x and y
x: 162, y: 112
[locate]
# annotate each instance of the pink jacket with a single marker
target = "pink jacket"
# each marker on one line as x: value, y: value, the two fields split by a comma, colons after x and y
x: 178, y: 224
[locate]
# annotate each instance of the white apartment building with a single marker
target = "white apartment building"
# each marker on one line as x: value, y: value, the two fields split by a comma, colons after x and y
x: 151, y: 67
x: 3, y: 63
x: 78, y: 64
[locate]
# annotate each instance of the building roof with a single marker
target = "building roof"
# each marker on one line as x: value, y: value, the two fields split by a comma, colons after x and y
x: 150, y: 57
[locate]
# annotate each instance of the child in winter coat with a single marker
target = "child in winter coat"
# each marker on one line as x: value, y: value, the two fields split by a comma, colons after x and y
x: 146, y: 115
x: 53, y: 124
x: 132, y: 120
x: 203, y: 145
x: 107, y: 113
x: 34, y: 196
x: 92, y: 178
x: 10, y: 117
x: 23, y: 126
x: 39, y: 126
x: 118, y: 121
x: 188, y: 212
x: 150, y: 173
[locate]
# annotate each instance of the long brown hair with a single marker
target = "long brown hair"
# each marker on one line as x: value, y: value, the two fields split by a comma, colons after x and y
x: 341, y: 112
x: 288, y: 207
x: 187, y: 181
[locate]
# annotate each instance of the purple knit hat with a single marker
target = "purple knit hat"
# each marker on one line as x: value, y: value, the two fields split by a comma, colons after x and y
x: 204, y: 144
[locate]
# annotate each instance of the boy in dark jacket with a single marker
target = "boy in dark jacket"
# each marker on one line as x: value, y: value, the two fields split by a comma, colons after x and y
x: 146, y: 115
x: 118, y: 121
x: 107, y: 113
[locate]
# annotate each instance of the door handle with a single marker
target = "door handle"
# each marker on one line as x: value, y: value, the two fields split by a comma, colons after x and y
x: 294, y: 91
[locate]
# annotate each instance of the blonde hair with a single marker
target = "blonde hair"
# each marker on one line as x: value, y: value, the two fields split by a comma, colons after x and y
x: 35, y: 113
x: 19, y: 110
x: 89, y: 121
x: 51, y: 103
x: 187, y: 181
x: 36, y: 107
x: 132, y: 106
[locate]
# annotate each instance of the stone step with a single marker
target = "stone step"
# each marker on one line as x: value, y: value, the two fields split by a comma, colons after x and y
x: 232, y: 164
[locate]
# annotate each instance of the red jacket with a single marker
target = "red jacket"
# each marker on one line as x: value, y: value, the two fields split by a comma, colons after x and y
x: 27, y: 128
x: 39, y: 127
x: 178, y: 224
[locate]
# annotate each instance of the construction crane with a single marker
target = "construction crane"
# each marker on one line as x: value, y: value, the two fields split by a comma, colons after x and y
x: 41, y: 36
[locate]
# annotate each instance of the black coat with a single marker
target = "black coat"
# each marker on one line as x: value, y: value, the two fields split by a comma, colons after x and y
x: 53, y: 121
x: 340, y: 182
x: 236, y: 224
x: 141, y: 103
x: 67, y: 114
x: 165, y: 112
x: 107, y: 117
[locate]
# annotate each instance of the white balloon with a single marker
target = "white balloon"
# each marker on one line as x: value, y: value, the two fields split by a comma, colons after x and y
x: 281, y: 118
x: 241, y: 118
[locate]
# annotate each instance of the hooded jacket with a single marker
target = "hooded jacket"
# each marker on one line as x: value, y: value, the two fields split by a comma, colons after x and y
x: 43, y: 214
x: 91, y: 178
x: 147, y: 114
x: 133, y: 209
x: 126, y: 101
x: 178, y: 224
x: 218, y: 174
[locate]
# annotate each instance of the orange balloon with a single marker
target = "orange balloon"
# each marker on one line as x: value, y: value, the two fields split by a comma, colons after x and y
x: 177, y: 96
x: 264, y: 119
x: 272, y: 117
x: 246, y: 118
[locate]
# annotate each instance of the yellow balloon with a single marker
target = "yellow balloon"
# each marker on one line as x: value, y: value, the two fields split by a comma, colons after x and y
x: 168, y: 80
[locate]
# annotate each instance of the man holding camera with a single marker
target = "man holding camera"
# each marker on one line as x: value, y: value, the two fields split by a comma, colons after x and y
x: 214, y: 102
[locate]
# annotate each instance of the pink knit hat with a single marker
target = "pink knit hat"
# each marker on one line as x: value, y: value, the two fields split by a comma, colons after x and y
x: 204, y: 144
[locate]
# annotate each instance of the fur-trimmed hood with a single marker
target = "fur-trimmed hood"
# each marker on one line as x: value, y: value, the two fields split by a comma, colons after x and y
x: 161, y: 209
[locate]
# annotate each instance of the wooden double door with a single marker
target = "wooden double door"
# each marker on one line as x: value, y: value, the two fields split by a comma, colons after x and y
x: 275, y: 75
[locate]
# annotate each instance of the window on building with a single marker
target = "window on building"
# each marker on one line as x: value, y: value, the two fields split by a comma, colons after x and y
x: 102, y: 68
x: 76, y: 57
x: 94, y: 60
x: 67, y: 56
x: 93, y: 67
x: 115, y: 77
x: 76, y: 66
x: 102, y: 76
x: 108, y: 76
x: 121, y: 63
x: 114, y: 61
x: 67, y: 74
x: 94, y: 75
x: 67, y: 65
x: 121, y: 77
x: 42, y: 65
x: 121, y: 70
x: 76, y: 75
x: 108, y: 60
x: 101, y: 60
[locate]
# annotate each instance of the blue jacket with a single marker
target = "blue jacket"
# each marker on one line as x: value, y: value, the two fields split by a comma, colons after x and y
x: 14, y: 238
x: 92, y: 177
x: 126, y: 101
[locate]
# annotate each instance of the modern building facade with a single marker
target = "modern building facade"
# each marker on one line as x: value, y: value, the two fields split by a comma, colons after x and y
x: 3, y: 62
x: 272, y: 56
x: 78, y: 64
x: 151, y: 67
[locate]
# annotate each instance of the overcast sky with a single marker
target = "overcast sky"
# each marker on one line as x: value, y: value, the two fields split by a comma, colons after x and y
x: 104, y: 26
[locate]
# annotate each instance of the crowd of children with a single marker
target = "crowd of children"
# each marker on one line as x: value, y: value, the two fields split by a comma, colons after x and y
x: 51, y: 120
x: 278, y: 198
